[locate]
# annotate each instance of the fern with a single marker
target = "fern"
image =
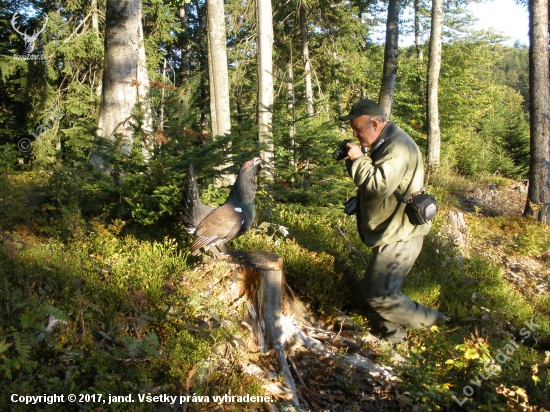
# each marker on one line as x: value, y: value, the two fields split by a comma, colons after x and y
x: 55, y: 312
x: 22, y: 345
x: 4, y: 346
x: 148, y: 346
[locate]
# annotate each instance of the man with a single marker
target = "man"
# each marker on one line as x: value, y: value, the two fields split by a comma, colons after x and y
x: 388, y: 161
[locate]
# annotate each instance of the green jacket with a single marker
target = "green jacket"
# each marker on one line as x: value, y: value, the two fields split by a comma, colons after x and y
x: 394, y: 163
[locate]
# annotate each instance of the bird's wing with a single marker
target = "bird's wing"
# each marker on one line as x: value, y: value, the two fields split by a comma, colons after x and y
x: 193, y: 211
x: 221, y: 225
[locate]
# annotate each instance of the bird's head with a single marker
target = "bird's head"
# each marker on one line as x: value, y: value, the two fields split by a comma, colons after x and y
x: 254, y: 165
x: 244, y: 188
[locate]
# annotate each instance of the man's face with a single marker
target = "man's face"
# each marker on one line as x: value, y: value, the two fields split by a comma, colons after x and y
x: 364, y: 129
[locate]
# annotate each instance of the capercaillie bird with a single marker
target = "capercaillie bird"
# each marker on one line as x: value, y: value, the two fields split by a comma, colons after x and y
x: 213, y: 227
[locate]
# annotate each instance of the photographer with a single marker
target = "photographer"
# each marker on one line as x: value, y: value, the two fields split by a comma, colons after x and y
x: 388, y: 161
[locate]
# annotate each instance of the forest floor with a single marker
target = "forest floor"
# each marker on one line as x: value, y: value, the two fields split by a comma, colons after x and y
x: 531, y: 272
x: 330, y: 386
x: 27, y: 243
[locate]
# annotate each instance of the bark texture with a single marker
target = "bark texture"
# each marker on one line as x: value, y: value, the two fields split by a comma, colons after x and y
x: 203, y: 61
x: 219, y: 78
x: 185, y: 69
x: 307, y: 64
x: 95, y: 17
x: 538, y: 195
x: 291, y: 107
x: 420, y: 59
x: 434, y: 67
x: 125, y: 79
x: 389, y: 72
x: 265, y: 79
x: 417, y: 30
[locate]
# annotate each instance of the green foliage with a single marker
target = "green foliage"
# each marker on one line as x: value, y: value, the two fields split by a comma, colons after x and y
x: 320, y: 267
x: 512, y: 70
x: 516, y: 235
x: 306, y: 172
x: 135, y: 315
x: 491, y: 312
x: 118, y: 328
x: 534, y: 240
x: 484, y: 128
x: 8, y: 158
x: 103, y: 254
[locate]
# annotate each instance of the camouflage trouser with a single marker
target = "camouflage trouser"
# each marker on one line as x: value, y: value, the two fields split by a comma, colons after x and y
x: 385, y: 274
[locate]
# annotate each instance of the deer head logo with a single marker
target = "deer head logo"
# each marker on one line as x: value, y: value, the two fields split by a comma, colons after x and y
x: 29, y: 40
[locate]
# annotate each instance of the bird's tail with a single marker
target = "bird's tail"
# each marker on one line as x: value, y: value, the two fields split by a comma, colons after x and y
x: 193, y: 211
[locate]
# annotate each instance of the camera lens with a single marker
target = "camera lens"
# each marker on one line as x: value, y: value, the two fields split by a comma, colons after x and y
x: 339, y: 154
x: 342, y: 151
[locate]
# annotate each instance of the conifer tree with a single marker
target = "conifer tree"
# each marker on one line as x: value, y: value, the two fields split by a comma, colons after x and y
x: 217, y: 69
x: 307, y: 63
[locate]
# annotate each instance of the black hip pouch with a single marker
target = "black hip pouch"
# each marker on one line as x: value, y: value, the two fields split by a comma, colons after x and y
x: 421, y: 208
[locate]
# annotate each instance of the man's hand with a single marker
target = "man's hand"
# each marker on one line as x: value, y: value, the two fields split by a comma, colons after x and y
x: 354, y: 151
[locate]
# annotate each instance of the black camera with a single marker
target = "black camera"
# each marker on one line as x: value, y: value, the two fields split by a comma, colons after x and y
x: 342, y: 151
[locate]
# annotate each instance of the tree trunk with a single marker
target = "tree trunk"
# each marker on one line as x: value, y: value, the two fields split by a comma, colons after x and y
x: 538, y: 195
x: 266, y: 287
x: 434, y: 67
x: 220, y: 111
x: 95, y: 27
x: 125, y: 80
x: 185, y: 69
x: 390, y: 57
x: 213, y: 112
x: 162, y: 99
x: 219, y: 85
x: 339, y: 100
x: 240, y: 117
x: 95, y: 18
x: 265, y: 80
x: 305, y: 57
x: 203, y: 62
x: 417, y: 34
x: 420, y: 60
x: 292, y: 107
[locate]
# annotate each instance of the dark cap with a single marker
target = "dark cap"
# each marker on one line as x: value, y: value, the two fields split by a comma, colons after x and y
x: 365, y: 106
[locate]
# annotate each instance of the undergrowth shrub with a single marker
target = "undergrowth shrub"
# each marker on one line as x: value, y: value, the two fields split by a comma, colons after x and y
x: 323, y: 256
x: 122, y: 307
x: 8, y: 158
x: 311, y: 273
x: 136, y: 315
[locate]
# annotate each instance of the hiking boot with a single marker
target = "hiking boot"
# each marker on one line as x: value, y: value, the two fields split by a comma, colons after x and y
x: 440, y: 318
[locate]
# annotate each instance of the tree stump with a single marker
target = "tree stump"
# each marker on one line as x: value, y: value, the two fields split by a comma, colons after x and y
x: 263, y: 285
x: 279, y: 321
x: 458, y: 229
x: 458, y: 233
